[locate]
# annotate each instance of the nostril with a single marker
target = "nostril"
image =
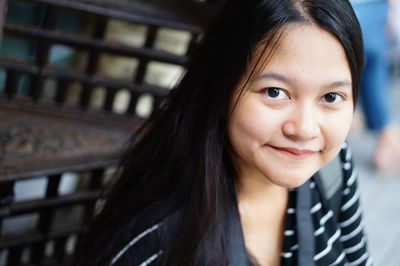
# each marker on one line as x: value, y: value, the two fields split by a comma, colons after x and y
x: 301, y: 129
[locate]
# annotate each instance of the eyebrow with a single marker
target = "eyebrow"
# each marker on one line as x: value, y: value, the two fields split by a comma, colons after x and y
x: 288, y: 80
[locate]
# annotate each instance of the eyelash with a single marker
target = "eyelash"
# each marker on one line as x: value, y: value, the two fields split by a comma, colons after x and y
x: 335, y: 94
x: 267, y: 90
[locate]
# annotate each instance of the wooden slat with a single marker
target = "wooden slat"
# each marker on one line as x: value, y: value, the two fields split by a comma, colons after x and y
x: 95, y: 183
x: 36, y: 237
x: 109, y: 101
x: 150, y: 39
x: 77, y: 76
x: 12, y: 80
x: 47, y: 215
x: 59, y: 248
x: 48, y: 23
x: 94, y: 54
x: 14, y: 256
x: 62, y: 89
x: 2, y: 16
x: 6, y: 193
x: 142, y: 68
x: 6, y: 197
x: 36, y: 88
x: 43, y: 204
x: 42, y: 54
x: 50, y: 111
x: 45, y: 218
x: 192, y: 44
x: 86, y: 43
x: 84, y: 98
x: 38, y: 252
x: 160, y: 13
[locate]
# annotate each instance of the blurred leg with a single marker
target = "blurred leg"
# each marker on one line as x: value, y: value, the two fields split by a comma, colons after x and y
x: 375, y: 94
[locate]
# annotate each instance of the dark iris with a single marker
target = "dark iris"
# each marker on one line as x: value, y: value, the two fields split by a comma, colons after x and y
x: 273, y: 92
x: 330, y: 97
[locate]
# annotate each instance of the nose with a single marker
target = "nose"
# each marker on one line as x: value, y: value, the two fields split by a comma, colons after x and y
x: 302, y: 123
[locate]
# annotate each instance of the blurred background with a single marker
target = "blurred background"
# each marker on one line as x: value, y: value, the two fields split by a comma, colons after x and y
x: 77, y: 77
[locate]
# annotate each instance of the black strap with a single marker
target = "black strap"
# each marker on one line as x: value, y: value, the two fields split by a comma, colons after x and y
x: 233, y: 235
x: 305, y: 227
x: 236, y: 249
x: 333, y: 201
x: 329, y: 181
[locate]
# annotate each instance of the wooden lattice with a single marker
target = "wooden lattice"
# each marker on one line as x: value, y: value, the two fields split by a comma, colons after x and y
x: 62, y: 126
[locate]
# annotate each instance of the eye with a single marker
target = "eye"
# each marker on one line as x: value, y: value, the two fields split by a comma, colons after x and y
x: 276, y: 93
x: 332, y: 97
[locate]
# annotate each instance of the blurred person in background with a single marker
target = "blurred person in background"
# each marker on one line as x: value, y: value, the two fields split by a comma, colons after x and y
x: 375, y: 94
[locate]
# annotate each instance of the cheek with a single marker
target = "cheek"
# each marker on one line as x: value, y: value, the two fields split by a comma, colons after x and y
x: 253, y: 122
x: 337, y: 127
x: 246, y: 130
x: 251, y: 125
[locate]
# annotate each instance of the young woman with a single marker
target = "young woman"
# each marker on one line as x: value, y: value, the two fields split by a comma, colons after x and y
x: 213, y: 177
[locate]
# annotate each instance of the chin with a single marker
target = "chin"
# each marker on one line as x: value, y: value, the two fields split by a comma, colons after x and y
x: 295, y: 181
x: 297, y: 184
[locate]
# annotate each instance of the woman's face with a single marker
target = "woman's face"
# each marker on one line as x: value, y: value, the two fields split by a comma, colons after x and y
x: 296, y: 111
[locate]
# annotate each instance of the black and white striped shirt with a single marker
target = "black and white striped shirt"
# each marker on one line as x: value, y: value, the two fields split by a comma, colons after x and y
x: 342, y: 243
x: 336, y: 243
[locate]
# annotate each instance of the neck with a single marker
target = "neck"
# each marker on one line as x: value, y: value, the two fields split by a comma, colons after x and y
x: 262, y: 207
x: 257, y: 190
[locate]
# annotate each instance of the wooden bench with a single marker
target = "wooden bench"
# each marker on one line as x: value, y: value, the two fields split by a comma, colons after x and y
x: 63, y: 126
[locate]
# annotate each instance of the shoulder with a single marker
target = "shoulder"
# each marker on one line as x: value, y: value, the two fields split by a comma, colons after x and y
x: 143, y: 243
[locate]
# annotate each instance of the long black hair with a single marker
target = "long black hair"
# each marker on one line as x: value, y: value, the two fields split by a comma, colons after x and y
x: 181, y: 157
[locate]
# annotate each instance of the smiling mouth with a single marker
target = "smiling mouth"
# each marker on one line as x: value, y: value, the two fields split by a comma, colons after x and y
x: 299, y: 154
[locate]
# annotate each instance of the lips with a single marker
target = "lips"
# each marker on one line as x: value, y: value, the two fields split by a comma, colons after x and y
x: 295, y: 152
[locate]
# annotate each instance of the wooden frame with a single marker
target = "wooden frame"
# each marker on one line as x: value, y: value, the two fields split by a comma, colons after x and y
x: 34, y: 129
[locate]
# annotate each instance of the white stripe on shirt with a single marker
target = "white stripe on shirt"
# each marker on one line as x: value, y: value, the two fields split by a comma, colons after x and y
x: 350, y: 202
x: 316, y: 207
x: 151, y: 258
x: 326, y: 217
x: 357, y: 246
x: 352, y: 233
x: 351, y: 220
x: 132, y: 242
x: 353, y: 177
x: 328, y: 246
x: 359, y: 260
x: 338, y: 260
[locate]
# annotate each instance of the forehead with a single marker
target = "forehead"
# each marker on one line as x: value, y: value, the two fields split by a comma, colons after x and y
x: 302, y: 51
